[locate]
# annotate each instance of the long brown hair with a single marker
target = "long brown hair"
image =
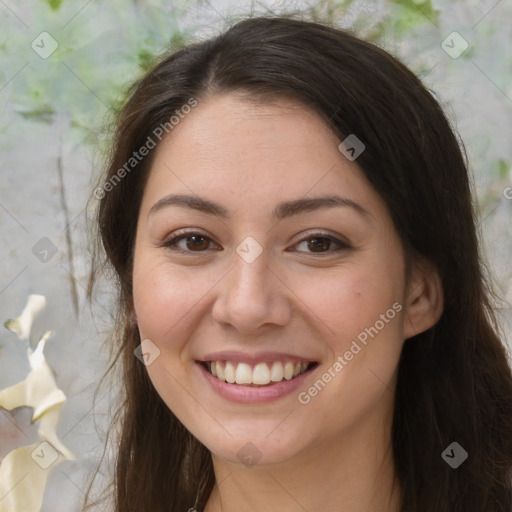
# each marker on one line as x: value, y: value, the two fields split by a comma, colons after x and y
x: 454, y: 383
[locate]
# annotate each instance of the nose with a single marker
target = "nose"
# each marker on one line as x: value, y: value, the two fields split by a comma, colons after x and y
x: 252, y: 296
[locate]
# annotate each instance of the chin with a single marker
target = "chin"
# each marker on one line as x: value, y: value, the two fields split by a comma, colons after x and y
x: 258, y: 449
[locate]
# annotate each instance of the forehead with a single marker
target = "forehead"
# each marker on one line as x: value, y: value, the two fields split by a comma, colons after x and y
x: 245, y: 151
x: 249, y: 129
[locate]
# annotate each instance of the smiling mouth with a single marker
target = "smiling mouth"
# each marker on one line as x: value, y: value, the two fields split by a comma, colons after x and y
x: 258, y: 375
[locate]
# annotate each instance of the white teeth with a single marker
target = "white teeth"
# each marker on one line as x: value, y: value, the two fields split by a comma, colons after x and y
x: 220, y: 370
x: 288, y: 370
x: 261, y: 375
x: 229, y: 373
x: 276, y: 373
x: 243, y: 374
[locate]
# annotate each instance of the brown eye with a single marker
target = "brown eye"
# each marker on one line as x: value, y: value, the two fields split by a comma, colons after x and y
x: 320, y: 244
x: 187, y: 243
x: 197, y: 242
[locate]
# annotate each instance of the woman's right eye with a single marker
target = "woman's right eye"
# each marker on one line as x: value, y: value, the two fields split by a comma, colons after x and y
x: 193, y: 242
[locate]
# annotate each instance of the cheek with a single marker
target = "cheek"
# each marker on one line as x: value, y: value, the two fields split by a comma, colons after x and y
x: 359, y: 314
x: 164, y: 295
x: 351, y: 299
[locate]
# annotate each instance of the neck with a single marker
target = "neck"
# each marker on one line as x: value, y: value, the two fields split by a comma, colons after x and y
x: 355, y: 473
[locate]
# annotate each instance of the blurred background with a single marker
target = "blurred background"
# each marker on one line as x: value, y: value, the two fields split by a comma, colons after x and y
x: 65, y: 65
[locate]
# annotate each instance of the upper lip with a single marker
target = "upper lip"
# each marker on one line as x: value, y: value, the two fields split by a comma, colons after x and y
x: 251, y: 358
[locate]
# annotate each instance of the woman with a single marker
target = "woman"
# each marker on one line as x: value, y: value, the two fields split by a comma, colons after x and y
x: 303, y: 320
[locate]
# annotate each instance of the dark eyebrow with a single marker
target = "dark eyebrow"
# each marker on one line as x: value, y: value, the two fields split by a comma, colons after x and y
x: 281, y: 211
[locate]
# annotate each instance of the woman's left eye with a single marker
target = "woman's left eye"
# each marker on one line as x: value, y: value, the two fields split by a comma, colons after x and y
x: 317, y: 243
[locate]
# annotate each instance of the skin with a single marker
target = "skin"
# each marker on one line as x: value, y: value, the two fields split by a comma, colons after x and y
x: 333, y: 453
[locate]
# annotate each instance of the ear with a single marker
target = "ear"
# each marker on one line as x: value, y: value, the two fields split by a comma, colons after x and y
x: 424, y: 299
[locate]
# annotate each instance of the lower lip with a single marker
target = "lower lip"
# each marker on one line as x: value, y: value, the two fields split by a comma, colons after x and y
x: 249, y: 394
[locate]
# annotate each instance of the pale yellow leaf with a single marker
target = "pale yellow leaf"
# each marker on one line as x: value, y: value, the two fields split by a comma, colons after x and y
x: 22, y: 325
x: 23, y: 480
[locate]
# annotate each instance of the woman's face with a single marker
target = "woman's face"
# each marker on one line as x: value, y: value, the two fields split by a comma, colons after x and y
x: 298, y: 261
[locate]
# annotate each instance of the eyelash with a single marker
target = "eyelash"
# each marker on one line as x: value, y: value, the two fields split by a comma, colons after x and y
x: 171, y: 243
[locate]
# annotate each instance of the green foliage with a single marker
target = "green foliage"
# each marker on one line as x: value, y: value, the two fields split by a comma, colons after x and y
x: 104, y: 46
x: 146, y: 59
x: 415, y: 12
x: 500, y: 170
x: 328, y: 10
x: 54, y: 4
x: 43, y: 114
x: 401, y: 19
x: 177, y: 41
